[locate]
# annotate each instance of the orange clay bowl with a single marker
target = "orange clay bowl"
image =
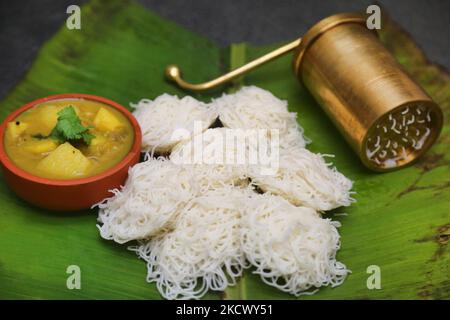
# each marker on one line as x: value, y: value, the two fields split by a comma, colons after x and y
x: 68, y: 195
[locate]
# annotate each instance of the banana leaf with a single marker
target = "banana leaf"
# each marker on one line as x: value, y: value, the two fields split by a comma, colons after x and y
x: 400, y: 222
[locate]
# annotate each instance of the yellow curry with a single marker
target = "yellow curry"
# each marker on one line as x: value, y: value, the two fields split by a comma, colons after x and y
x: 68, y: 139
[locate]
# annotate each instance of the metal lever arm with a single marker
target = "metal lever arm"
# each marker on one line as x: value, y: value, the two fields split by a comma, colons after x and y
x: 173, y: 73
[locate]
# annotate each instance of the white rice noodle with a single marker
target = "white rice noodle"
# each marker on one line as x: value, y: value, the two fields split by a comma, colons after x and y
x: 197, y: 219
x: 292, y: 248
x: 210, y: 177
x: 255, y: 108
x: 159, y: 119
x: 206, y: 156
x: 203, y: 251
x: 154, y: 193
x: 305, y: 179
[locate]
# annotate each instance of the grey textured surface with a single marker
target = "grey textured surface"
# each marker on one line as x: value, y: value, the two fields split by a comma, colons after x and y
x: 25, y: 24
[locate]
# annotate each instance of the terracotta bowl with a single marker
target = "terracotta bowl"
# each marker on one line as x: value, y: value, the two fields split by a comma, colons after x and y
x: 68, y: 195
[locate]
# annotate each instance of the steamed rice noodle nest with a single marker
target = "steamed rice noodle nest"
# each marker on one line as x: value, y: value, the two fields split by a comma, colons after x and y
x: 305, y: 179
x: 255, y: 108
x: 199, y: 219
x: 167, y: 120
x: 203, y: 251
x: 154, y: 193
x: 214, y: 160
x: 292, y: 248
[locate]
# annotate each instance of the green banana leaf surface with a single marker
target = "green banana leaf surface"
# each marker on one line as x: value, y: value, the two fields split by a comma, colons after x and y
x: 400, y: 222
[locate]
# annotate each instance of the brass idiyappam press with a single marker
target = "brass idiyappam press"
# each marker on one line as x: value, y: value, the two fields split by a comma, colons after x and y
x: 385, y: 116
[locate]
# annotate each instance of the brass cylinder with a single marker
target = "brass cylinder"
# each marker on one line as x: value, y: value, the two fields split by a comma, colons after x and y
x: 384, y: 115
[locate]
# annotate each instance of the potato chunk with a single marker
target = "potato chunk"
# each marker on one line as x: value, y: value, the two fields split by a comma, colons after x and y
x: 98, y: 145
x: 106, y: 121
x: 48, y: 116
x: 98, y: 140
x: 40, y: 146
x: 15, y: 128
x: 65, y: 162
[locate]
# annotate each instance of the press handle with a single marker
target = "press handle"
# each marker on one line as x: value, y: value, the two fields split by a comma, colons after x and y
x: 173, y: 73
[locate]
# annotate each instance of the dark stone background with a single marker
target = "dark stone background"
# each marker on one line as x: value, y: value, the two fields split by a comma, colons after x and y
x: 26, y: 24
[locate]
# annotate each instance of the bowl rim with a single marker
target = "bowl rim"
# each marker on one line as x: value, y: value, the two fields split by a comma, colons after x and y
x: 9, y: 164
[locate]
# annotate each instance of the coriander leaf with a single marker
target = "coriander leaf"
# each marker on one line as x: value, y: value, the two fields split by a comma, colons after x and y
x: 69, y: 127
x: 87, y: 137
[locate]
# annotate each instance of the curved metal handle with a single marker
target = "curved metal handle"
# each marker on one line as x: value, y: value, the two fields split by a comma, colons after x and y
x: 173, y: 73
